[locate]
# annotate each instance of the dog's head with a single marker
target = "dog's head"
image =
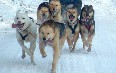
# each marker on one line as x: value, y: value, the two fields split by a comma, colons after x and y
x: 72, y: 15
x: 87, y: 12
x: 47, y: 30
x: 22, y: 20
x: 44, y: 12
x: 55, y: 7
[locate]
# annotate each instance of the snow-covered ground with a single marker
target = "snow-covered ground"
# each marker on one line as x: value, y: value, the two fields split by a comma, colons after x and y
x: 102, y: 59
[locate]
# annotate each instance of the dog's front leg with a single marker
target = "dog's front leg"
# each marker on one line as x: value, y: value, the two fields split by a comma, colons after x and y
x: 56, y: 56
x: 24, y: 48
x: 32, y: 49
x: 42, y: 51
x: 89, y: 40
x: 84, y: 41
x: 75, y: 38
x: 70, y: 44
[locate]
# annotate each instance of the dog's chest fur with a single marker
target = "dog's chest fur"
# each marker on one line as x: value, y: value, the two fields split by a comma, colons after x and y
x: 71, y: 32
x: 87, y: 33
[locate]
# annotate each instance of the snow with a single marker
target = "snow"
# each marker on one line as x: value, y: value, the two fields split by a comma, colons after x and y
x: 101, y: 60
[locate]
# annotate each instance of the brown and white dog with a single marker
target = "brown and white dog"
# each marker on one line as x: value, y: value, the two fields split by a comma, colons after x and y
x: 55, y: 11
x: 43, y: 13
x: 54, y: 34
x: 87, y: 26
x: 73, y: 28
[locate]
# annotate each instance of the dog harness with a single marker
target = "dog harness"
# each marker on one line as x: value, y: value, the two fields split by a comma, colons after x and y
x: 23, y: 37
x: 73, y: 29
x: 88, y: 27
x: 61, y: 28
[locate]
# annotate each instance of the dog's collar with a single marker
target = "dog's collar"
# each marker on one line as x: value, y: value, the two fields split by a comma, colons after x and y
x: 73, y: 28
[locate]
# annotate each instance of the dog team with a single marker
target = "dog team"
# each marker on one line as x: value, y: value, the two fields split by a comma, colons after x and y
x: 58, y: 21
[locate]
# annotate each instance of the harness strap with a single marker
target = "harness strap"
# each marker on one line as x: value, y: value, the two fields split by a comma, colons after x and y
x: 23, y: 37
x: 88, y: 27
x: 73, y: 29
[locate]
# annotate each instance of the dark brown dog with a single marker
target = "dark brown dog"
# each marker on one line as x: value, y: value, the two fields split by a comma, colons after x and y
x: 87, y: 26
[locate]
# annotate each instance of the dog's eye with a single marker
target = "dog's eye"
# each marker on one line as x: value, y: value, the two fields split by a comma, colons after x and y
x: 84, y: 14
x: 46, y: 11
x: 17, y: 18
x: 48, y: 33
x: 69, y: 12
x: 73, y: 12
x: 23, y: 18
x: 56, y: 5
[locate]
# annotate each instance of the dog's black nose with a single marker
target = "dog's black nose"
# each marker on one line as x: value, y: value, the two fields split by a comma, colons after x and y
x: 19, y: 22
x: 44, y: 39
x: 43, y: 14
x: 54, y: 9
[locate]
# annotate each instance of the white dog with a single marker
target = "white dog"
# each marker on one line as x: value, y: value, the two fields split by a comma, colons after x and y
x: 26, y: 31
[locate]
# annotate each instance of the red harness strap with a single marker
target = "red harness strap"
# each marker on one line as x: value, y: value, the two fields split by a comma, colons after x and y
x: 88, y: 27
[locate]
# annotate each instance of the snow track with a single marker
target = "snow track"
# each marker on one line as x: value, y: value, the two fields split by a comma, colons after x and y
x: 100, y: 60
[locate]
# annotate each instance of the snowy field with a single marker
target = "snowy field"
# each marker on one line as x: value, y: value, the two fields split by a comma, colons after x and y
x: 102, y: 59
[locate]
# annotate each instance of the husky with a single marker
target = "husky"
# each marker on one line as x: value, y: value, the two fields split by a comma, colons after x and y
x: 54, y: 34
x: 87, y: 26
x: 55, y: 11
x: 43, y: 13
x: 26, y: 31
x: 73, y: 28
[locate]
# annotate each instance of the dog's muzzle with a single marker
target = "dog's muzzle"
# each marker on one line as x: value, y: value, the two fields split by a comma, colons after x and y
x: 86, y: 19
x: 49, y: 42
x: 71, y: 17
x: 53, y: 11
x: 19, y: 25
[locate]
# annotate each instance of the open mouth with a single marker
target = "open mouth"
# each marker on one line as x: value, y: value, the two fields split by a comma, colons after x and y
x: 53, y: 12
x: 71, y: 17
x: 49, y: 42
x: 86, y: 19
x: 18, y: 25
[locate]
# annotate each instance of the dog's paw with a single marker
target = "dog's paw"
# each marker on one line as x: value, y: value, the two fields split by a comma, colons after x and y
x: 52, y: 71
x: 89, y: 50
x: 34, y: 63
x: 71, y: 48
x: 23, y: 56
x: 85, y: 52
x: 43, y: 56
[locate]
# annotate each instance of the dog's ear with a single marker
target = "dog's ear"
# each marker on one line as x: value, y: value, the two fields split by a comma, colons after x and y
x: 26, y: 12
x: 91, y: 6
x: 85, y: 6
x: 18, y: 11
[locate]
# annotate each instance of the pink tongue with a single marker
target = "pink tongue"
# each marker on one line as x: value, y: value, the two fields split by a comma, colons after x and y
x: 17, y: 25
x: 71, y: 18
x: 14, y: 25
